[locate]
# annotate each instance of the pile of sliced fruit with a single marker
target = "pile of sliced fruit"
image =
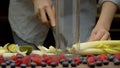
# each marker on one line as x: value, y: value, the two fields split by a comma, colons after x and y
x: 13, y: 49
x: 96, y: 47
x: 93, y: 47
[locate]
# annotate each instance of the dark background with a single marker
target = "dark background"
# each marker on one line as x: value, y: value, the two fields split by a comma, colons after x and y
x: 6, y: 35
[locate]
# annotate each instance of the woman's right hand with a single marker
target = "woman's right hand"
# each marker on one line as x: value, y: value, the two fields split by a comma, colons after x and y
x: 44, y: 10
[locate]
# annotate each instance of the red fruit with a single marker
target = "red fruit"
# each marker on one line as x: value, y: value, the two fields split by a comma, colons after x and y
x: 13, y: 57
x: 37, y: 61
x: 19, y: 54
x: 90, y: 60
x: 35, y: 56
x: 77, y: 60
x: 45, y: 59
x: 102, y: 57
x: 90, y: 55
x: 117, y: 56
x: 44, y: 55
x: 1, y: 59
x: 61, y: 57
x: 27, y: 60
x: 18, y: 62
x: 56, y: 61
x: 49, y: 62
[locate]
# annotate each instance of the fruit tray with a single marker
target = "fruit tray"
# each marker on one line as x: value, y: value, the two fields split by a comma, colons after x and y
x: 61, y: 61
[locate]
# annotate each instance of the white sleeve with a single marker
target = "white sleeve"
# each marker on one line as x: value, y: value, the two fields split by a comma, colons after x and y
x: 117, y: 2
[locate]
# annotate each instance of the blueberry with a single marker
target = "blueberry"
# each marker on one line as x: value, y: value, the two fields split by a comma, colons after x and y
x: 53, y: 64
x: 106, y: 62
x: 3, y: 65
x: 12, y: 65
x: 84, y: 61
x: 73, y: 64
x: 84, y: 58
x: 7, y: 62
x: 43, y: 64
x: 109, y: 55
x: 23, y: 65
x: 111, y: 58
x: 92, y: 65
x: 81, y: 58
x: 99, y: 63
x: 62, y: 60
x: 20, y: 56
x: 11, y: 61
x: 116, y: 61
x: 33, y: 65
x: 65, y: 64
x: 69, y: 59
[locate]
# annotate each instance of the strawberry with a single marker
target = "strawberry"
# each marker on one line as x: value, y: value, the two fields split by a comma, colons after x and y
x: 14, y: 57
x: 19, y: 55
x: 18, y: 62
x: 49, y: 62
x: 77, y: 60
x: 90, y: 60
x: 26, y: 60
x: 1, y: 59
x: 44, y: 55
x: 61, y: 57
x: 35, y: 56
x: 37, y: 61
x: 117, y: 56
x: 102, y: 57
x: 90, y: 55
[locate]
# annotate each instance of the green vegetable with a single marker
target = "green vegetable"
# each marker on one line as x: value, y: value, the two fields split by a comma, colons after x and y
x: 26, y: 48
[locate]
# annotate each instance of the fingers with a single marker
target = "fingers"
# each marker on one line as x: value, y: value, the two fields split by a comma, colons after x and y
x: 50, y: 12
x: 42, y: 16
x: 100, y: 35
x: 47, y: 16
x: 106, y: 36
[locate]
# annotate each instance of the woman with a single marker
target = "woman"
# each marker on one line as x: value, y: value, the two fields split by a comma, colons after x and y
x: 30, y: 25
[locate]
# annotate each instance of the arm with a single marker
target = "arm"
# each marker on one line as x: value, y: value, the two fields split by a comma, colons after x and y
x: 101, y: 30
x: 44, y: 11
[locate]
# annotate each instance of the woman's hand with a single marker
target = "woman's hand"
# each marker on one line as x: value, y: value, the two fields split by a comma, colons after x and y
x: 99, y: 33
x: 101, y: 30
x: 44, y: 10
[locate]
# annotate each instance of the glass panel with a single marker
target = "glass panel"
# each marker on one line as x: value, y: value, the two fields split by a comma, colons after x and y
x: 67, y: 23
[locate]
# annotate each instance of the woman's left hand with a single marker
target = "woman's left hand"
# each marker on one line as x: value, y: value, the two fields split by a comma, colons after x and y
x: 99, y: 34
